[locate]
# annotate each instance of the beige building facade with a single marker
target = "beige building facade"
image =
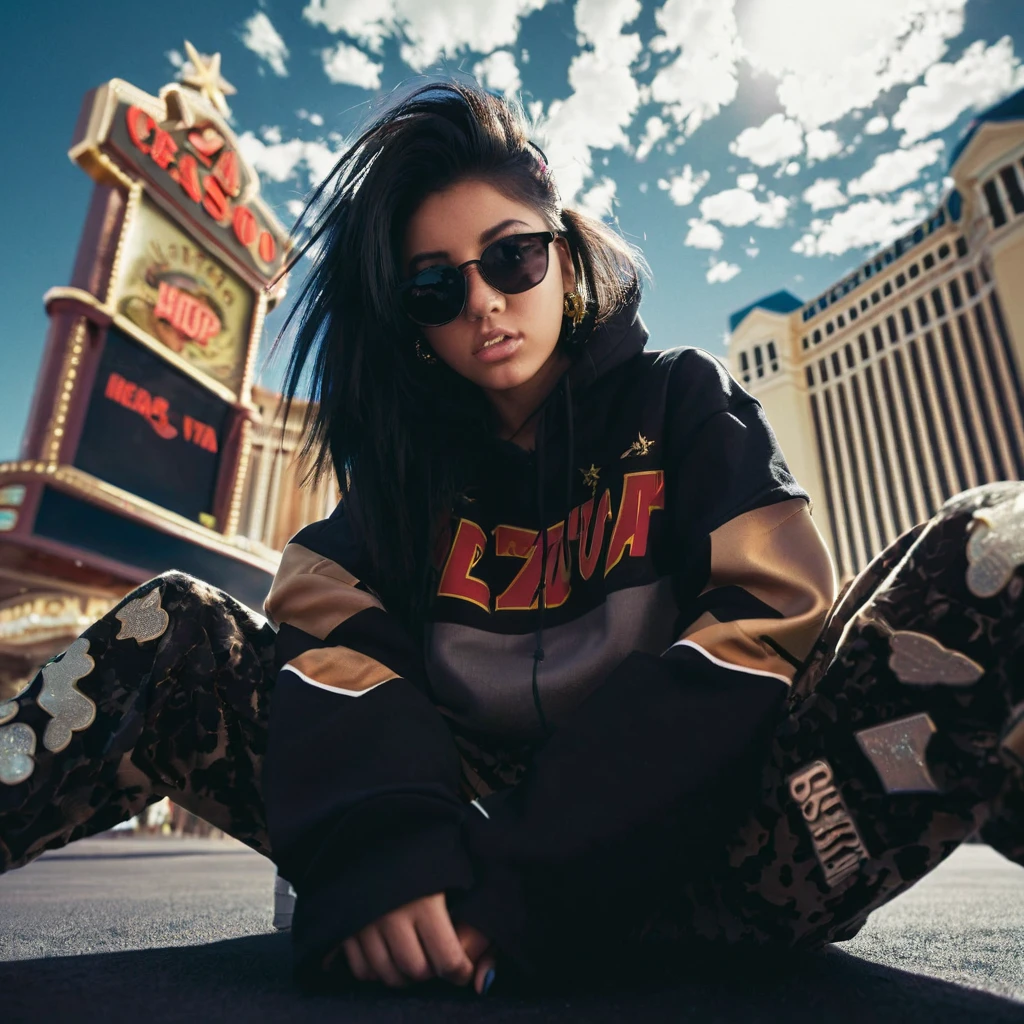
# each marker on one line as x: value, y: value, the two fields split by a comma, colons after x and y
x: 902, y: 384
x: 276, y: 504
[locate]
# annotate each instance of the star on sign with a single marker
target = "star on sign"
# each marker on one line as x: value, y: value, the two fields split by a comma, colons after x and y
x: 204, y: 76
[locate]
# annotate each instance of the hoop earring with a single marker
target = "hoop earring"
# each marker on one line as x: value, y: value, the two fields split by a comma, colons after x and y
x: 423, y: 354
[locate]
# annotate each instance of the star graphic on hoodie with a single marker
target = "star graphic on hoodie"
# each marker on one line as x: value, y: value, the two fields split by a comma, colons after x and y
x: 641, y: 446
x: 590, y: 477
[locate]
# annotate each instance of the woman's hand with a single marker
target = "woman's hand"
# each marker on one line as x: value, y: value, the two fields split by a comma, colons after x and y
x: 480, y: 950
x: 416, y: 942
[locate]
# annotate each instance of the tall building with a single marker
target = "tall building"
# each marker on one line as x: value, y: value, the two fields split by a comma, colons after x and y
x: 901, y: 385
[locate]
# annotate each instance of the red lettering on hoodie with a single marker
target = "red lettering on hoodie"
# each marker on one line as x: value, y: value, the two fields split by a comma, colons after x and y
x: 456, y: 579
x: 642, y: 493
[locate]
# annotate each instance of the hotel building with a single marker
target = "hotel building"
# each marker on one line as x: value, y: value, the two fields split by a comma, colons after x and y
x: 901, y: 385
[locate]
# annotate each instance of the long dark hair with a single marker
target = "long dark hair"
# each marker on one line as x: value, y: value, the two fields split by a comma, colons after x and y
x: 403, y: 438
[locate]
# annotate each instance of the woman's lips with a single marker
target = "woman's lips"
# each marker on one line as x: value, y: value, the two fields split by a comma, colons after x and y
x: 499, y: 350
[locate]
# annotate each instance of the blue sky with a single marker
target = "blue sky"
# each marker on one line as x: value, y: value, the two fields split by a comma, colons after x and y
x: 746, y: 146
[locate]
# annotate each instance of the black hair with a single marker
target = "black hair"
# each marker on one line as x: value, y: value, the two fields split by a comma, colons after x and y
x: 404, y: 438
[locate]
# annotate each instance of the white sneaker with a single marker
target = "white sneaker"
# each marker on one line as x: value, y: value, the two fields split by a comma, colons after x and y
x: 284, y: 904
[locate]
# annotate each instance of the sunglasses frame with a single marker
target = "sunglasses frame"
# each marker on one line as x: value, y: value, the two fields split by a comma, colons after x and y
x: 409, y: 283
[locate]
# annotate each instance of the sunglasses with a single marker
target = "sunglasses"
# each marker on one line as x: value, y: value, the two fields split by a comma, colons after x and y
x: 513, y: 264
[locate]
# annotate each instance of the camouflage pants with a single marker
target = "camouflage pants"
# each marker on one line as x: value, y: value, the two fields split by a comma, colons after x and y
x: 903, y: 735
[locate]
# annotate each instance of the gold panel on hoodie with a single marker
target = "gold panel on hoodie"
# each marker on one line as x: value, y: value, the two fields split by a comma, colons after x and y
x: 313, y: 593
x: 775, y: 554
x: 341, y: 667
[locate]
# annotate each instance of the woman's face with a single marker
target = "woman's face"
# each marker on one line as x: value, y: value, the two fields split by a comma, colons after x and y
x: 456, y: 225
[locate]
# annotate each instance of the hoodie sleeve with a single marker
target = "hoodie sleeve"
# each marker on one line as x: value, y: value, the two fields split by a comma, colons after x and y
x: 361, y: 776
x: 678, y: 737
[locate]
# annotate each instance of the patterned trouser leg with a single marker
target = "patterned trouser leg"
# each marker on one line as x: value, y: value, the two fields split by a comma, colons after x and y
x: 167, y: 695
x: 904, y: 735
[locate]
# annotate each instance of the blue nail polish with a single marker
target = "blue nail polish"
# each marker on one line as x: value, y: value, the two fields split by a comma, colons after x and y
x: 488, y: 982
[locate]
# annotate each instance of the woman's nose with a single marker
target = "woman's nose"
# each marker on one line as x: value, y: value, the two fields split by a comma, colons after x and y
x: 482, y: 299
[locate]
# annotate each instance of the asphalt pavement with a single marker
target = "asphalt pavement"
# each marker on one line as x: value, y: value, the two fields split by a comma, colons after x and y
x: 162, y: 930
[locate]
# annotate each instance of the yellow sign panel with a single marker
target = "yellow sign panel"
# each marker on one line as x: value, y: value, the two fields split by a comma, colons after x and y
x: 178, y: 294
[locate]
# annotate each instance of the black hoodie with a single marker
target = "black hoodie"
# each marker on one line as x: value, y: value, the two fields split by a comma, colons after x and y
x: 576, y: 683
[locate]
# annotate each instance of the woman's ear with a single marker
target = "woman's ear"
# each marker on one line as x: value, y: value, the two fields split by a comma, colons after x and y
x: 565, y: 264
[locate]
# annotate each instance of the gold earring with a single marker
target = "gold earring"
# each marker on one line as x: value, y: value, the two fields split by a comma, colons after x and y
x: 574, y: 307
x: 424, y: 354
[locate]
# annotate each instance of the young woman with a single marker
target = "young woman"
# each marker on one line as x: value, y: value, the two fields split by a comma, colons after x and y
x: 561, y: 679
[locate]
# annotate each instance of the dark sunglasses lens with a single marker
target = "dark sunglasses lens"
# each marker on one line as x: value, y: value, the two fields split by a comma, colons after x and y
x: 434, y: 296
x: 516, y: 263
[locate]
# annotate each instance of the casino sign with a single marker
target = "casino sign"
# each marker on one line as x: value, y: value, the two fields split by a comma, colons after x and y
x: 135, y: 454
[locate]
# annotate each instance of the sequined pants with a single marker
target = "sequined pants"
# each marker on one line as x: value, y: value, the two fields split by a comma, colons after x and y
x: 904, y: 734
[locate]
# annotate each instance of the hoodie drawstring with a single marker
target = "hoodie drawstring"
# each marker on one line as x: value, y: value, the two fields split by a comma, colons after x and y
x: 565, y: 552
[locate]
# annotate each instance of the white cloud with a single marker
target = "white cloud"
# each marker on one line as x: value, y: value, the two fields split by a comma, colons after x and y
x: 721, y: 271
x: 770, y: 143
x: 823, y: 143
x: 597, y: 201
x: 348, y: 65
x: 314, y: 119
x: 263, y: 39
x: 891, y: 171
x: 792, y: 168
x: 824, y: 194
x: 752, y: 251
x: 175, y: 57
x: 876, y: 125
x: 683, y: 188
x: 601, y: 21
x: 655, y: 130
x: 703, y: 235
x: 736, y: 206
x: 701, y: 79
x: 873, y: 222
x: 282, y: 161
x: 831, y: 58
x: 747, y: 181
x: 271, y: 134
x: 429, y: 29
x: 979, y: 78
x: 499, y: 71
x: 295, y: 208
x: 602, y: 105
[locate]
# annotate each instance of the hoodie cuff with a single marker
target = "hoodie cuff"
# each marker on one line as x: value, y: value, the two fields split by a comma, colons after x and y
x: 387, y: 877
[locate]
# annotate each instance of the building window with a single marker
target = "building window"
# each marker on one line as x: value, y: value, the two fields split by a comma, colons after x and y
x: 830, y: 328
x: 876, y: 333
x: 943, y: 250
x: 954, y: 294
x: 773, y: 356
x: 876, y: 298
x: 809, y: 374
x: 914, y: 270
x: 805, y: 343
x: 863, y: 305
x: 972, y: 288
x: 887, y: 288
x: 901, y: 280
x: 823, y: 370
x: 995, y: 204
x: 1012, y: 186
x: 961, y: 246
x: 894, y: 335
x: 853, y: 313
x: 922, y: 312
x: 836, y: 366
x: 816, y: 337
x: 840, y: 320
x: 938, y: 303
x: 863, y: 340
x: 928, y: 261
x: 878, y: 265
x: 758, y: 361
x: 868, y: 270
x: 908, y: 321
x: 848, y: 351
